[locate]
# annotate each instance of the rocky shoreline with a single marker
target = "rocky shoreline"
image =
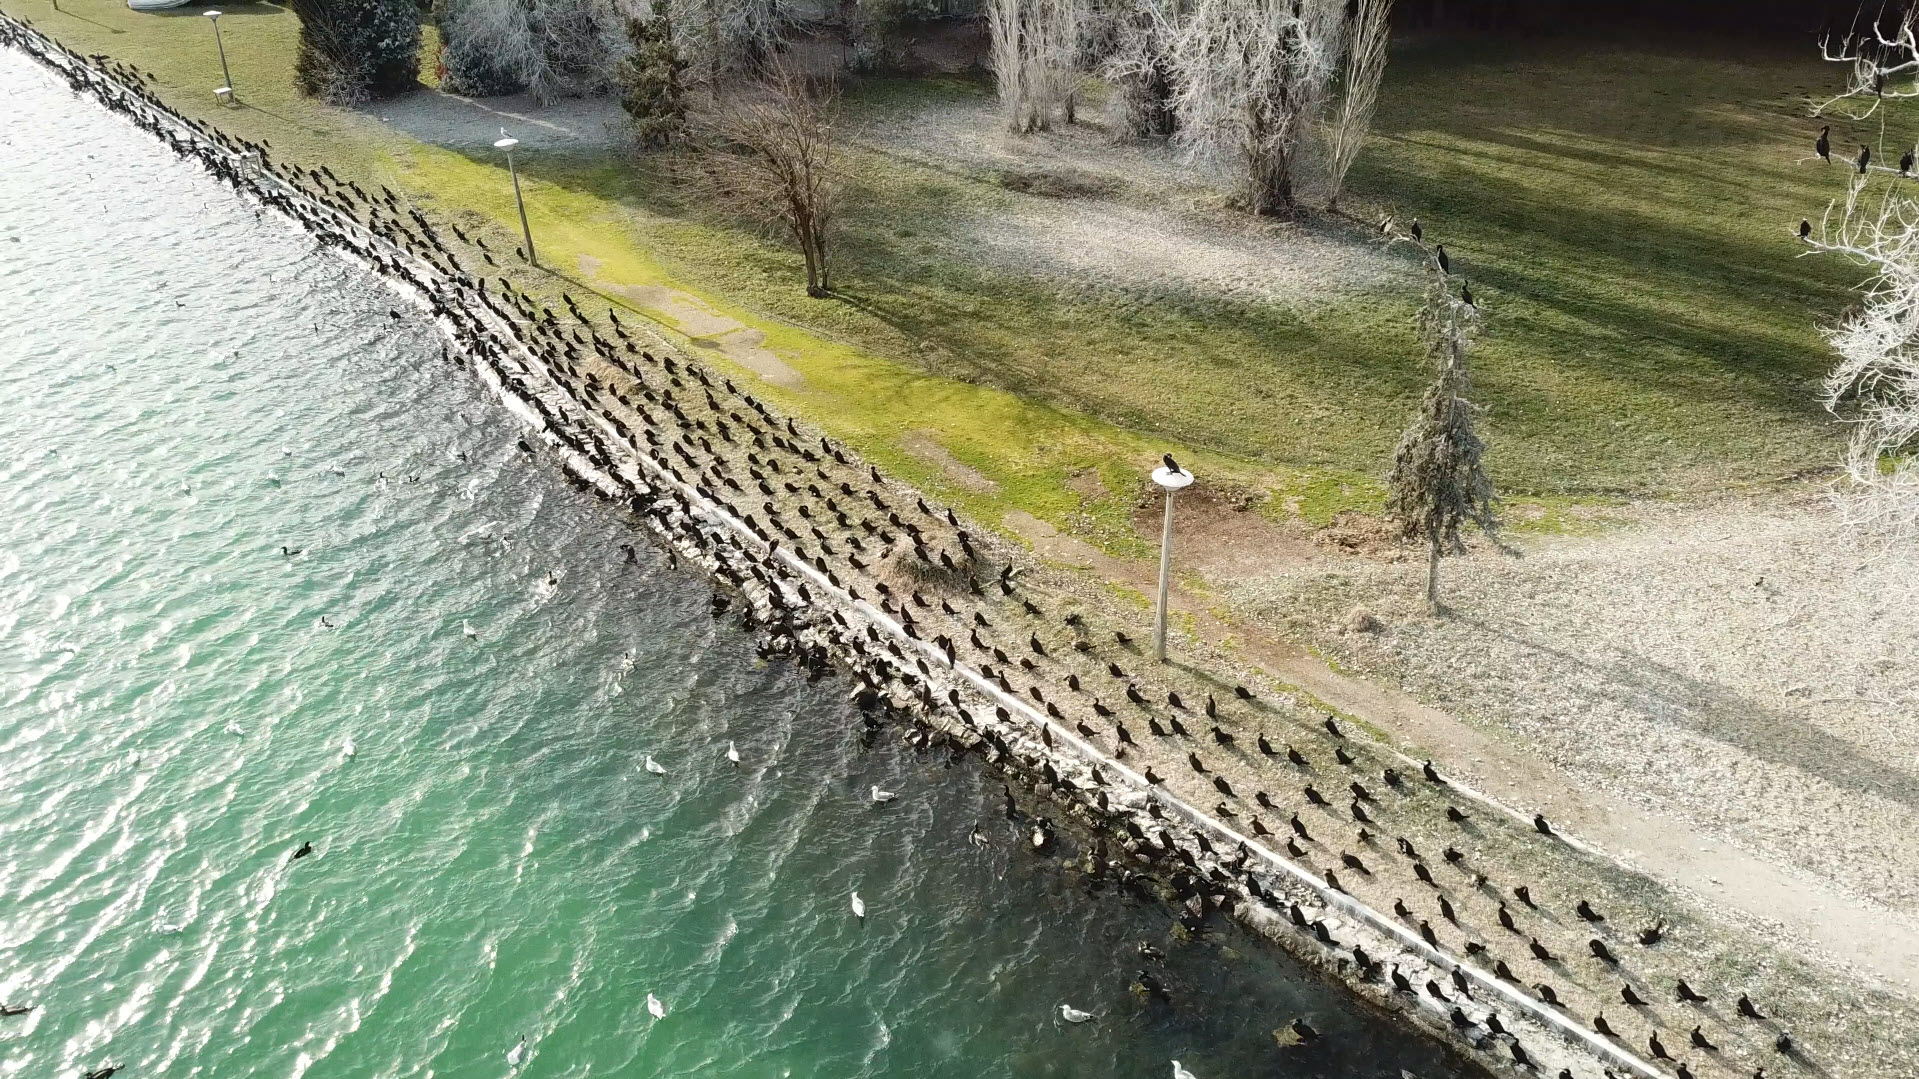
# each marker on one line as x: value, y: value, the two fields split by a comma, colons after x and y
x: 903, y: 594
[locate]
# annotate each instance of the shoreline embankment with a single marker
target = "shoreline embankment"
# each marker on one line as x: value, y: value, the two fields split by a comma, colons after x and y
x: 665, y: 438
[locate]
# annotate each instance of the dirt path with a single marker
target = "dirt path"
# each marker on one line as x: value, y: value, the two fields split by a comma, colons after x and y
x: 1854, y: 931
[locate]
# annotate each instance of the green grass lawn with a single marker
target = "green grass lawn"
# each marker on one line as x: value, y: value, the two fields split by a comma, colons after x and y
x: 1623, y: 213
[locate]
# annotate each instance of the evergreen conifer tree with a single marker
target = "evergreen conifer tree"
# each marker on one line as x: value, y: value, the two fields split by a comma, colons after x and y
x: 652, y: 79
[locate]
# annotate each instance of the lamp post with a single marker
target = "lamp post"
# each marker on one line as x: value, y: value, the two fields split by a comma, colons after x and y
x: 507, y: 143
x: 1172, y: 481
x: 214, y: 17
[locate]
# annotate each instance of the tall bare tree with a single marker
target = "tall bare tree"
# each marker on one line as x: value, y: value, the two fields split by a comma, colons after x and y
x: 1251, y: 76
x: 1035, y: 58
x: 1439, y: 481
x: 1875, y: 384
x: 773, y: 156
x: 1352, y: 118
x: 1140, y: 69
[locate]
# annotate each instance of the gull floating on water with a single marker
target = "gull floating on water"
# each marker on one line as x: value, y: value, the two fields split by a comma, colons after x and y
x: 859, y: 907
x: 1180, y: 1072
x: 348, y: 749
x: 234, y: 729
x: 516, y: 1054
x: 1074, y: 1015
x: 466, y: 627
x: 882, y: 796
x: 654, y: 766
x: 733, y: 753
x: 654, y: 1006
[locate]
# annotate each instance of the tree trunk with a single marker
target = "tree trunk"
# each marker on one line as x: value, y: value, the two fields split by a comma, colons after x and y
x: 813, y: 248
x: 805, y: 236
x: 1269, y: 183
x: 1432, y: 574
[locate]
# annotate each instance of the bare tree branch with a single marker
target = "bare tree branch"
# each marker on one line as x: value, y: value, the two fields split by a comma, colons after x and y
x: 772, y: 155
x: 1875, y: 384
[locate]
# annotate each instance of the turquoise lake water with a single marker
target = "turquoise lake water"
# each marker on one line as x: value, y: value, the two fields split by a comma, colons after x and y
x: 189, y: 388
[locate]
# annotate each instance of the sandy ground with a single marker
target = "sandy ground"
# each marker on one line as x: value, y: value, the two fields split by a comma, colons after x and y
x: 1752, y: 671
x: 1139, y: 215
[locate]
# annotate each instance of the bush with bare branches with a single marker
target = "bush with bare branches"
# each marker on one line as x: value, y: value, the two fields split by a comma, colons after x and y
x: 771, y: 155
x: 353, y: 50
x: 549, y: 48
x: 1250, y: 76
x: 1875, y: 384
x: 722, y: 38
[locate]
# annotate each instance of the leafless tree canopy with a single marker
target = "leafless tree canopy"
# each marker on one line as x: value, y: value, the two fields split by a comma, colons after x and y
x: 1875, y: 384
x: 1352, y: 118
x: 1439, y: 481
x: 1250, y: 77
x: 771, y: 155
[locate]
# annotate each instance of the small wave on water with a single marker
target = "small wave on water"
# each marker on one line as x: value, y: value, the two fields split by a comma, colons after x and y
x: 271, y: 576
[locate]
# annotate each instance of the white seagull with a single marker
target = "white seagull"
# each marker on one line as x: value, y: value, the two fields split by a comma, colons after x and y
x: 733, y: 754
x: 654, y: 766
x: 516, y: 1054
x: 1180, y: 1072
x: 467, y: 628
x: 234, y: 729
x: 348, y: 749
x: 1074, y: 1015
x: 654, y: 1006
x: 859, y: 907
x: 882, y: 796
